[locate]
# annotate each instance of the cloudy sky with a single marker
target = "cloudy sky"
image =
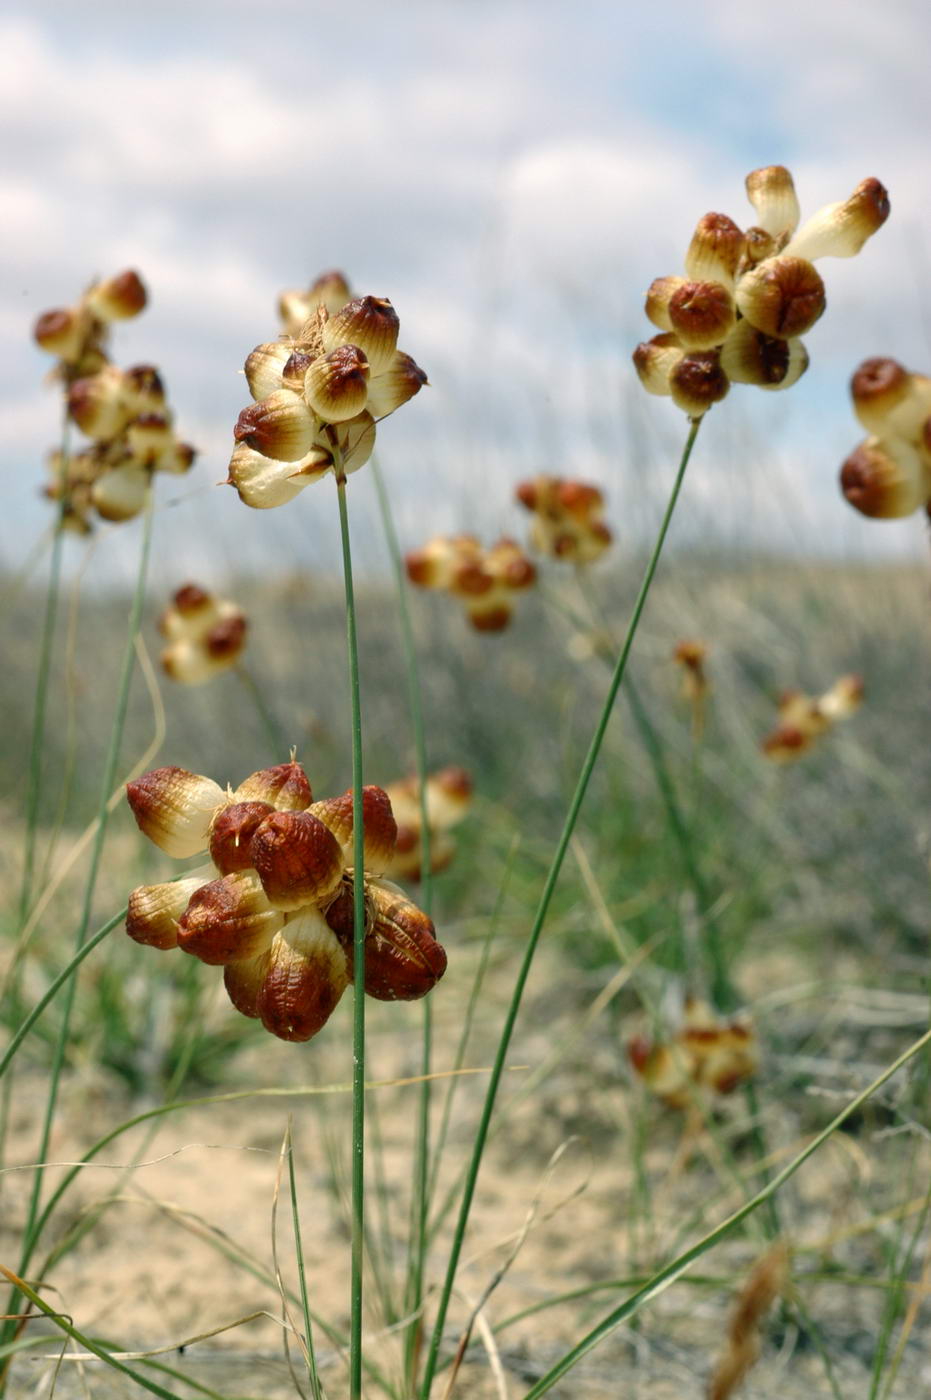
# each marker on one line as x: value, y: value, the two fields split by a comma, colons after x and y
x: 512, y: 175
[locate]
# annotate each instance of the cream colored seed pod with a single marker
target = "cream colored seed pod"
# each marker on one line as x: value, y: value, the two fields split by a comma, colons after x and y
x: 885, y: 479
x: 655, y: 360
x: 877, y: 387
x: 154, y: 910
x: 659, y: 294
x: 336, y: 384
x: 63, y: 332
x: 264, y: 366
x: 119, y: 494
x: 716, y: 251
x: 174, y: 808
x: 772, y: 193
x: 263, y: 483
x: 284, y: 786
x: 840, y: 230
x: 118, y: 297
x: 354, y: 440
x: 150, y: 436
x: 395, y: 385
x: 97, y: 404
x: 379, y: 827
x: 281, y: 427
x: 369, y: 323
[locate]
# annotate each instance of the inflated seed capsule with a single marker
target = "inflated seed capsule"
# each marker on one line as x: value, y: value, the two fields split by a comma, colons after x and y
x: 281, y: 427
x: 371, y: 324
x: 884, y: 479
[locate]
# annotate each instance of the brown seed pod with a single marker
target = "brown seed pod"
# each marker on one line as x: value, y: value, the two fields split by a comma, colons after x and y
x: 298, y: 859
x: 697, y: 382
x: 232, y: 832
x: 701, y: 314
x: 280, y: 426
x: 884, y: 480
x: 379, y: 827
x: 285, y: 787
x: 227, y: 638
x: 305, y: 979
x: 227, y: 920
x: 372, y: 324
x: 336, y: 384
x: 877, y: 387
x: 403, y: 960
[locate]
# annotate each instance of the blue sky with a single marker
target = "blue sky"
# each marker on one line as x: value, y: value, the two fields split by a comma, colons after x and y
x: 512, y: 175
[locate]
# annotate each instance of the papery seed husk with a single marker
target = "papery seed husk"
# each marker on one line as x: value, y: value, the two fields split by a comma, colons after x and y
x: 154, y: 910
x: 884, y: 479
x: 284, y: 786
x: 717, y: 248
x: 395, y: 385
x: 231, y: 834
x: 174, y: 808
x: 772, y: 193
x: 264, y: 484
x: 449, y: 796
x: 120, y: 494
x: 298, y: 859
x: 228, y: 920
x: 782, y: 297
x: 118, y: 297
x: 907, y: 418
x: 759, y: 245
x: 293, y: 310
x: 330, y: 290
x: 336, y: 384
x: 295, y: 370
x: 379, y: 827
x: 372, y: 324
x: 701, y: 314
x: 508, y: 564
x: 96, y: 403
x: 306, y: 977
x: 264, y: 366
x: 654, y: 361
x: 658, y: 297
x: 843, y: 699
x: 281, y: 427
x: 840, y: 230
x: 697, y: 382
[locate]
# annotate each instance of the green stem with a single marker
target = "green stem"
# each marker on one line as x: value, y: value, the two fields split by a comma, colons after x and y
x: 420, y: 1188
x: 302, y: 1279
x: 358, y: 1003
x: 34, y: 785
x: 110, y: 766
x: 549, y: 887
x: 670, y: 1272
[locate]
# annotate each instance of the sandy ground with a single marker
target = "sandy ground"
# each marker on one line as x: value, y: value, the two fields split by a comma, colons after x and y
x: 153, y: 1271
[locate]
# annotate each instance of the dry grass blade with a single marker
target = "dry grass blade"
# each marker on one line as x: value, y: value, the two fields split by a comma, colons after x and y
x: 476, y: 1317
x: 766, y: 1282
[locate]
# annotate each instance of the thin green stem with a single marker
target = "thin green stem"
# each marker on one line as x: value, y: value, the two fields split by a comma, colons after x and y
x: 110, y: 766
x: 358, y: 944
x: 420, y: 1186
x: 670, y: 1272
x: 552, y: 878
x: 302, y: 1279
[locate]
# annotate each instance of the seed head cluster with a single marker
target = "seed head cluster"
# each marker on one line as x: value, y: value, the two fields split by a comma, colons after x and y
x: 803, y: 720
x: 448, y: 798
x: 566, y: 518
x: 317, y: 396
x: 888, y: 475
x: 486, y: 580
x: 205, y: 635
x: 275, y: 906
x: 706, y: 1053
x: 749, y: 295
x: 123, y: 413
